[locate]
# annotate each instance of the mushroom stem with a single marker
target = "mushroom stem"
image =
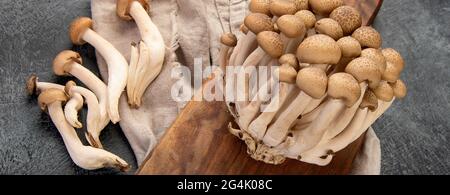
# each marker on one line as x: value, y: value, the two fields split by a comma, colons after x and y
x: 131, y: 83
x: 71, y: 110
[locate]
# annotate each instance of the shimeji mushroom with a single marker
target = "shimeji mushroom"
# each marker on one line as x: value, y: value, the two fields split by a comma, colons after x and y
x: 144, y: 74
x: 80, y: 33
x: 348, y: 17
x: 394, y: 66
x: 344, y: 91
x: 368, y: 37
x: 228, y: 41
x: 94, y: 119
x: 34, y: 86
x: 86, y: 157
x: 313, y: 85
x: 69, y: 63
x: 260, y: 6
x: 279, y: 8
x: 293, y: 30
x: 325, y: 7
x: 330, y: 27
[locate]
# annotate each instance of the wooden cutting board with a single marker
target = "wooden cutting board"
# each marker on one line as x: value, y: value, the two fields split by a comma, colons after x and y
x: 198, y: 142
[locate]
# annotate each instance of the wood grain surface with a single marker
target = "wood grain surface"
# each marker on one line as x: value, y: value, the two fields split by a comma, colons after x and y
x: 199, y: 142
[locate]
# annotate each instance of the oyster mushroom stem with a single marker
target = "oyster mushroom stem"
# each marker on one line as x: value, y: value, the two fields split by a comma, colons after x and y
x: 69, y: 63
x: 80, y: 33
x: 86, y: 157
x: 344, y: 91
x: 313, y: 83
x: 153, y: 40
x: 93, y: 117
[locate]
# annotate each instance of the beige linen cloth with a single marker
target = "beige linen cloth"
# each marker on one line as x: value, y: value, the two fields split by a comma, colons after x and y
x: 191, y: 29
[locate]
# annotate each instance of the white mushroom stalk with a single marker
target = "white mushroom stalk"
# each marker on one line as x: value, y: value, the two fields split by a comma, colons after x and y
x: 86, y: 157
x: 229, y: 41
x: 94, y: 117
x: 152, y: 53
x: 80, y: 33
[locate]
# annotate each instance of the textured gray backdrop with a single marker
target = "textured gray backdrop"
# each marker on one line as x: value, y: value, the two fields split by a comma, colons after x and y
x: 414, y: 133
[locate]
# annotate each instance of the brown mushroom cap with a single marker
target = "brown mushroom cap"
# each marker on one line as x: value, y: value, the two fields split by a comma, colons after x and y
x: 365, y: 69
x: 123, y: 8
x: 243, y: 28
x: 77, y: 29
x: 376, y: 56
x: 392, y: 72
x: 319, y: 49
x: 350, y: 47
x: 345, y: 87
x: 289, y: 59
x: 271, y: 43
x: 260, y: 6
x: 291, y: 26
x: 228, y: 39
x: 313, y: 81
x: 282, y: 7
x: 31, y: 84
x: 348, y: 17
x: 394, y: 57
x: 384, y: 92
x: 325, y: 7
x: 302, y: 4
x: 307, y: 17
x: 257, y: 23
x: 286, y: 73
x: 50, y: 96
x: 329, y: 27
x: 368, y: 37
x: 63, y: 61
x: 369, y: 101
x: 68, y: 87
x: 400, y: 89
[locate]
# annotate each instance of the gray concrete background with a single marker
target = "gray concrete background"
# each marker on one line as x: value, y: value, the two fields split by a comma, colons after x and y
x: 414, y: 133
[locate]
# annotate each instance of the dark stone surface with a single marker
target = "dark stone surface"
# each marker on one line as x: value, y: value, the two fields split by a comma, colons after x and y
x: 414, y: 132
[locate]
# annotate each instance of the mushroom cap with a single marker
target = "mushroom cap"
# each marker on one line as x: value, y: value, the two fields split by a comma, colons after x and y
x: 257, y: 23
x: 348, y: 17
x: 243, y: 28
x: 329, y: 27
x: 345, y: 87
x: 290, y: 60
x: 260, y: 6
x: 325, y: 7
x: 63, y: 61
x: 392, y: 72
x: 376, y: 56
x: 319, y: 49
x: 286, y: 73
x: 31, y: 84
x: 291, y: 26
x: 384, y: 92
x: 399, y: 88
x: 313, y: 81
x: 271, y: 43
x: 283, y: 7
x: 350, y: 47
x: 369, y: 101
x: 302, y: 4
x: 307, y: 17
x: 50, y: 96
x: 368, y: 37
x: 365, y: 69
x: 68, y: 87
x: 229, y: 39
x: 391, y: 55
x: 123, y: 8
x: 77, y: 29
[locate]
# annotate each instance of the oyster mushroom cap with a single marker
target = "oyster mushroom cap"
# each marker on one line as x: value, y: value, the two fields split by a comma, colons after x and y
x: 62, y: 62
x: 348, y: 17
x: 329, y: 27
x: 228, y: 39
x: 123, y: 8
x: 368, y: 37
x: 345, y: 87
x: 350, y: 47
x: 384, y: 91
x: 282, y: 7
x: 377, y: 56
x: 391, y: 55
x: 271, y: 43
x: 260, y: 6
x: 291, y: 26
x: 77, y: 29
x: 325, y: 7
x: 319, y: 49
x: 286, y: 73
x: 307, y: 17
x: 50, y: 96
x: 290, y: 60
x: 257, y: 22
x: 313, y: 81
x: 400, y: 89
x: 365, y: 69
x: 369, y: 101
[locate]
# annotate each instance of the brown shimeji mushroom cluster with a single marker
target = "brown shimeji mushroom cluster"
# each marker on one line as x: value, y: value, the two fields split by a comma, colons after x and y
x: 102, y: 99
x: 335, y: 79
